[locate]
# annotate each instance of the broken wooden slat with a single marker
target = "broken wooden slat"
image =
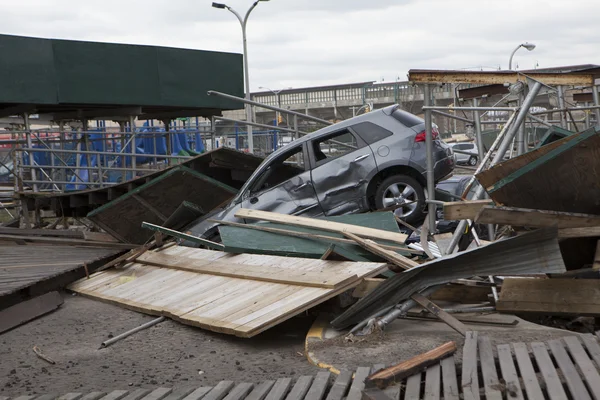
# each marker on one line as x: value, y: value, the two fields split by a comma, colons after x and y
x: 468, y: 209
x: 340, y: 386
x: 318, y: 387
x: 397, y: 259
x: 592, y: 345
x: 441, y: 314
x: 509, y: 372
x: 321, y: 224
x: 488, y: 369
x: 585, y: 365
x: 219, y: 391
x: 409, y: 367
x: 359, y: 383
x: 432, y: 382
x: 413, y: 387
x: 550, y: 296
x: 574, y: 382
x: 530, y: 381
x: 535, y: 218
x: 280, y: 389
x: 554, y: 387
x: 569, y: 233
x: 596, y: 264
x: 28, y: 310
x: 470, y: 381
x: 138, y: 394
x: 158, y: 394
x: 253, y: 272
x: 260, y: 391
x: 198, y: 393
x: 449, y: 381
x: 240, y: 391
x: 300, y: 388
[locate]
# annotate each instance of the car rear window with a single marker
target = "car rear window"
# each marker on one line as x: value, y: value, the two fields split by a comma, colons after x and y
x: 407, y: 119
x: 370, y: 132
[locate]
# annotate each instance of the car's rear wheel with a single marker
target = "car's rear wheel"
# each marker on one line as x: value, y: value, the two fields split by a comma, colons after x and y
x: 403, y: 194
x: 472, y: 161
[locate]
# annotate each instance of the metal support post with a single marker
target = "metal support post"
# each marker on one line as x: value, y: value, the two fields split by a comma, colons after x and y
x: 596, y: 103
x: 133, y: 146
x: 561, y: 105
x: 481, y: 152
x: 503, y: 147
x: 296, y: 133
x: 29, y: 144
x: 521, y: 133
x: 587, y: 117
x: 86, y: 139
x: 168, y: 139
x: 213, y: 131
x: 431, y: 207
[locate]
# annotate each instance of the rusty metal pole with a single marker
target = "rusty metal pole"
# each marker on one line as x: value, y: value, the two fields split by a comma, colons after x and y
x: 481, y: 152
x: 596, y: 103
x: 561, y: 106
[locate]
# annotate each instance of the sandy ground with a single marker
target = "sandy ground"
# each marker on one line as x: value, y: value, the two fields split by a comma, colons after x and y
x: 169, y: 354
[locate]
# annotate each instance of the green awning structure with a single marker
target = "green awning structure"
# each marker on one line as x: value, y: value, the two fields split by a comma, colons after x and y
x: 76, y: 79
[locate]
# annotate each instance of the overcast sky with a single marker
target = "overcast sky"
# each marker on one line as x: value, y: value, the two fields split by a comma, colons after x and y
x: 298, y: 43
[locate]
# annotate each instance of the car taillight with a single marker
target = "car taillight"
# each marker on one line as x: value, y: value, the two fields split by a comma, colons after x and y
x: 421, y: 135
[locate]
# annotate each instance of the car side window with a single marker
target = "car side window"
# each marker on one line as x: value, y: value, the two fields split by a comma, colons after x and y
x: 370, y: 132
x: 282, y: 168
x: 333, y: 146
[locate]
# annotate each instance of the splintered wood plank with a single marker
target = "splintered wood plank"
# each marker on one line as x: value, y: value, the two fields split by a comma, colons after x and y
x: 592, y: 345
x: 554, y: 387
x: 158, y: 394
x: 28, y: 310
x: 340, y: 386
x: 240, y: 391
x: 550, y: 296
x: 413, y: 387
x: 300, y: 388
x: 535, y: 218
x: 260, y: 391
x: 449, y: 381
x: 398, y: 372
x: 432, y: 382
x: 115, y: 395
x: 137, y: 394
x: 569, y: 233
x: 488, y: 369
x: 198, y: 393
x: 470, y: 381
x: 530, y: 381
x: 394, y: 258
x: 457, y: 210
x: 509, y: 372
x: 324, y: 225
x: 359, y: 383
x: 586, y: 365
x: 280, y: 389
x: 318, y: 387
x: 329, y: 280
x: 441, y: 314
x: 574, y: 382
x: 219, y: 391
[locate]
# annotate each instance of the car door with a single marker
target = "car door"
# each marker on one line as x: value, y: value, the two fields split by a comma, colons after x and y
x: 342, y: 165
x: 284, y: 186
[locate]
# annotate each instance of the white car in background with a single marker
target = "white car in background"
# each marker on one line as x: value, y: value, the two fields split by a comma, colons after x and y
x: 461, y: 158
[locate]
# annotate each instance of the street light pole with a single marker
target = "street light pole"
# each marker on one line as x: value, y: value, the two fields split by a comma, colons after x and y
x: 243, y: 22
x: 528, y: 46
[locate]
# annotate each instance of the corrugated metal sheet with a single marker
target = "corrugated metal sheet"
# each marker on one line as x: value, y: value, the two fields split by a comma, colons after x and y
x: 535, y: 252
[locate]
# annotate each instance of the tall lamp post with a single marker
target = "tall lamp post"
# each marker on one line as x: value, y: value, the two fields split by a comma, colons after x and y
x: 528, y: 46
x: 276, y: 93
x: 243, y: 22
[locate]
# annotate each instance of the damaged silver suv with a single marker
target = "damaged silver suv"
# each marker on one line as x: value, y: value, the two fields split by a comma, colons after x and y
x: 373, y: 161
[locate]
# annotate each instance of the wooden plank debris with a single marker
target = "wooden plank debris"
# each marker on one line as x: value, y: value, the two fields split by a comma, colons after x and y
x: 554, y: 387
x: 238, y: 305
x: 488, y: 369
x: 394, y: 258
x: 280, y: 389
x: 449, y: 381
x: 340, y: 386
x: 535, y: 218
x: 468, y: 209
x: 409, y: 367
x: 413, y: 387
x: 596, y: 264
x: 358, y: 384
x: 509, y: 372
x: 586, y: 366
x: 530, y: 381
x: 321, y: 279
x: 321, y: 224
x: 469, y: 378
x: 300, y: 388
x: 184, y: 236
x: 568, y: 233
x: 261, y: 390
x: 432, y: 382
x: 550, y: 296
x: 28, y: 310
x: 574, y: 382
x: 319, y: 386
x: 441, y: 314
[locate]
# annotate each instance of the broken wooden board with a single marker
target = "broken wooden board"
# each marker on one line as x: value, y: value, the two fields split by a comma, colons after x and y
x: 550, y: 296
x: 249, y: 239
x: 535, y: 218
x: 569, y: 233
x: 236, y: 304
x: 394, y: 258
x: 28, y: 310
x: 158, y: 199
x: 467, y: 209
x: 573, y: 166
x: 398, y: 372
x: 321, y: 224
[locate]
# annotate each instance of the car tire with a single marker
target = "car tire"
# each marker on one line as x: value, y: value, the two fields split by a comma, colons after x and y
x: 396, y: 186
x: 472, y: 161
